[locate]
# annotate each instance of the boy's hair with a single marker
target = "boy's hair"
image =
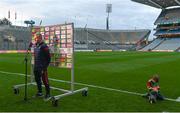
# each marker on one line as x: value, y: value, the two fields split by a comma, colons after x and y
x: 156, y: 77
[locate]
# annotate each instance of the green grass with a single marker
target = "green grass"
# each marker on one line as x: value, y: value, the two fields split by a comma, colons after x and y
x: 119, y: 70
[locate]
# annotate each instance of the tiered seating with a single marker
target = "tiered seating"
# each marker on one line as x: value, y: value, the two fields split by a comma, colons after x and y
x: 153, y: 44
x: 14, y: 38
x: 169, y: 16
x: 168, y: 25
x: 169, y: 45
x: 168, y: 28
x: 111, y: 39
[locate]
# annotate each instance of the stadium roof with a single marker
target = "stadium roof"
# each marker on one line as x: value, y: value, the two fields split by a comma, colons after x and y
x: 161, y: 4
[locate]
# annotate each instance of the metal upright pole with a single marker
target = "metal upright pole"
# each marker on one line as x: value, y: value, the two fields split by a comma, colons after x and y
x: 26, y: 63
x: 87, y: 38
x: 108, y: 10
x: 72, y: 75
x: 31, y: 60
x: 26, y: 60
x: 72, y: 68
x: 107, y: 22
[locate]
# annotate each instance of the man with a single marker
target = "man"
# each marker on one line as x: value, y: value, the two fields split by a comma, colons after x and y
x: 154, y: 89
x: 42, y: 60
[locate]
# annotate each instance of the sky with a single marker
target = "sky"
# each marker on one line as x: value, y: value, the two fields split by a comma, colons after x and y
x: 125, y: 13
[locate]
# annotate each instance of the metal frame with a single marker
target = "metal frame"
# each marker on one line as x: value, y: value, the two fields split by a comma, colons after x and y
x: 72, y: 91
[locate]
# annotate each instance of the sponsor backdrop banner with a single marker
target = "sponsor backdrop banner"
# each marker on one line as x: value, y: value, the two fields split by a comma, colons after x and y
x: 59, y: 38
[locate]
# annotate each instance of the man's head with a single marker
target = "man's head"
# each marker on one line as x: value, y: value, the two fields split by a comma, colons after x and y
x: 39, y: 38
x: 156, y: 77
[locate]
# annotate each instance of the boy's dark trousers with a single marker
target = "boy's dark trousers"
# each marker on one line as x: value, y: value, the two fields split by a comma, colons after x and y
x: 157, y: 95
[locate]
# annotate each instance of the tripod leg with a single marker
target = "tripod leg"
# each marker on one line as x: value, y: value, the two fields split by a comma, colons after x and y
x: 25, y: 92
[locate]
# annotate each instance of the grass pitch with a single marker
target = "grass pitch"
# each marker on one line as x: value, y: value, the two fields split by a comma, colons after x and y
x: 118, y: 70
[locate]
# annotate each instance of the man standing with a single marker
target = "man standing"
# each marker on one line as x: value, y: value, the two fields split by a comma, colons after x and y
x: 42, y: 59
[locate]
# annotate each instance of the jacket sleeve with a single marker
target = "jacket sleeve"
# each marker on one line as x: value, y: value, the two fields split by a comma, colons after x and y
x: 47, y: 55
x: 149, y: 85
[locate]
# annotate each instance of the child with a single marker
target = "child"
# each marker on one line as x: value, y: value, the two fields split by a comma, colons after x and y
x: 154, y: 89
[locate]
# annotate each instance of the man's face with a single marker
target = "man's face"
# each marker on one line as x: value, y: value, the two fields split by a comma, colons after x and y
x: 38, y: 39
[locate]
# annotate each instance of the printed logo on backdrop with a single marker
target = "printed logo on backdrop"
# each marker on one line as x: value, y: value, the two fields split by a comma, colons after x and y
x: 59, y: 38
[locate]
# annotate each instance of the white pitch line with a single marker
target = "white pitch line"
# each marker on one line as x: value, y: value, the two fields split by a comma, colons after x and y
x: 93, y: 86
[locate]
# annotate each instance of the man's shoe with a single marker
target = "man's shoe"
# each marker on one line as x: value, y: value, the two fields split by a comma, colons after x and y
x: 47, y: 97
x: 39, y: 95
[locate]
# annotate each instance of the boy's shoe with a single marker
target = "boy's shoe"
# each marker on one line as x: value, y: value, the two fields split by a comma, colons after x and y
x: 152, y: 99
x: 47, y: 97
x: 145, y: 95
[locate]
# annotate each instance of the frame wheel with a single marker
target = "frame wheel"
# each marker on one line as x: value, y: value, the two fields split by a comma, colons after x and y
x: 85, y: 93
x: 16, y: 91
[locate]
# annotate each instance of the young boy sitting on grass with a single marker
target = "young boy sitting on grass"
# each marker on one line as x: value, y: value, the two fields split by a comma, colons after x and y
x: 153, y: 90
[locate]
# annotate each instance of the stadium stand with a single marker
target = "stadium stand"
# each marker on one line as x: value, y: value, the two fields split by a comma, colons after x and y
x: 18, y: 38
x: 168, y: 25
x: 95, y: 39
x: 170, y: 44
x: 14, y: 37
x: 161, y: 4
x: 153, y: 44
x: 178, y: 50
x: 168, y: 16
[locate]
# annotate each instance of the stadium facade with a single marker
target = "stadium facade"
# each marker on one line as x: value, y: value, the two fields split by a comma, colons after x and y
x: 14, y: 37
x: 18, y: 38
x: 167, y: 25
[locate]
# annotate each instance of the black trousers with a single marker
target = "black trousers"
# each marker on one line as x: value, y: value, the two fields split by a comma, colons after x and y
x: 42, y: 75
x: 157, y: 95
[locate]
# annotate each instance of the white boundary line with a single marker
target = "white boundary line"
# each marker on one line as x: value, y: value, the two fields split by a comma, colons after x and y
x: 93, y: 86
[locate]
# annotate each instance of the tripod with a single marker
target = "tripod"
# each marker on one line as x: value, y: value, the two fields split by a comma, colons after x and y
x: 26, y: 75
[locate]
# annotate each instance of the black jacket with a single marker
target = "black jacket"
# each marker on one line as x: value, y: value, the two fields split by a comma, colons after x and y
x: 42, y: 56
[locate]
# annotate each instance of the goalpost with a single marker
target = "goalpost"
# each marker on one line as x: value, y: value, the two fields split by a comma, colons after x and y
x: 60, y: 39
